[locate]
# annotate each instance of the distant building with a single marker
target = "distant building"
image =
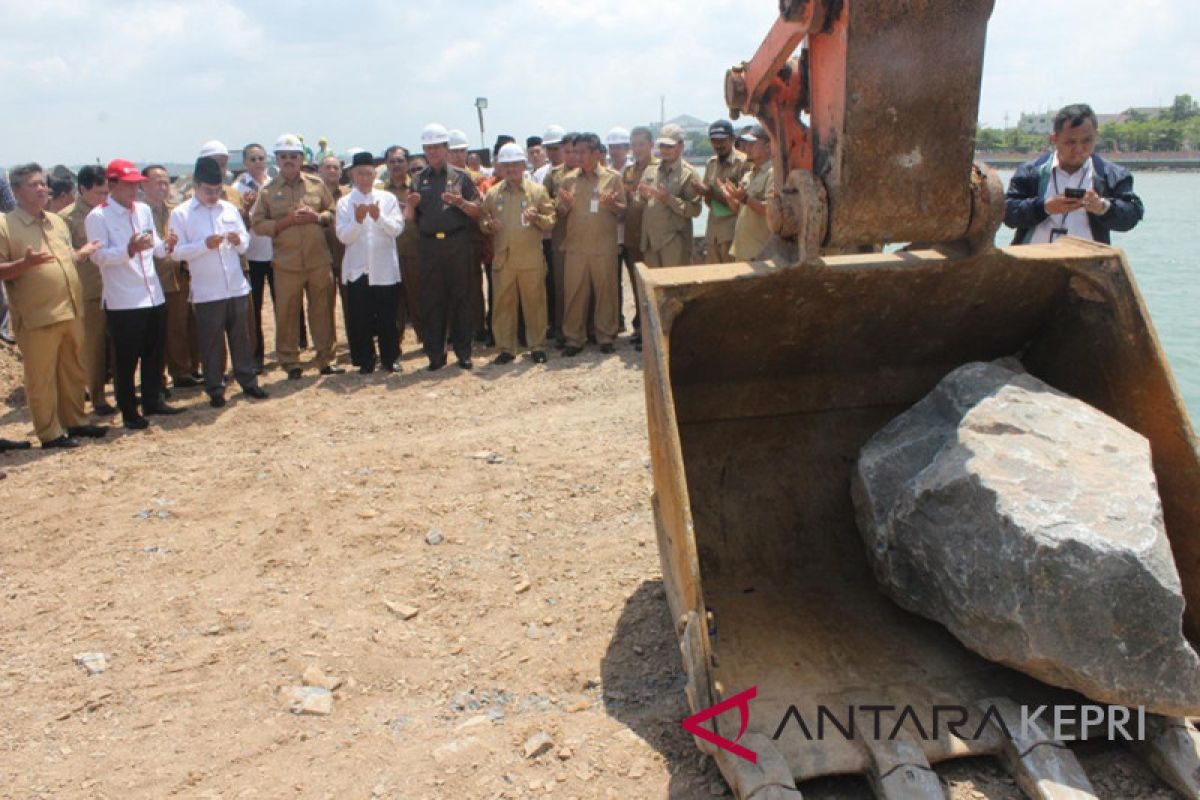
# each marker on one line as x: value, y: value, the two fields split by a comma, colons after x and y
x: 1036, y: 123
x: 1043, y: 123
x: 689, y: 124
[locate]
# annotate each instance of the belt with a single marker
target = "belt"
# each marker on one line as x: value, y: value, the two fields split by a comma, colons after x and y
x: 442, y: 234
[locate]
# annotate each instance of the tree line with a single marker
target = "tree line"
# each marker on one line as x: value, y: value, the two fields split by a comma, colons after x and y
x: 1177, y: 127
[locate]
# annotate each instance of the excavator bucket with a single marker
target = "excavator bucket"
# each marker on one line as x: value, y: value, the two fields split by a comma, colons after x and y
x: 762, y: 384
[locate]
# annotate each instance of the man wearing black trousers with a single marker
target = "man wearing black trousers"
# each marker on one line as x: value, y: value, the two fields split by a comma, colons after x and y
x: 367, y: 223
x: 134, y: 303
x: 443, y: 204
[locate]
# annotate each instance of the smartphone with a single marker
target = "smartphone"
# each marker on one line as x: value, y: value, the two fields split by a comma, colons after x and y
x: 1074, y: 194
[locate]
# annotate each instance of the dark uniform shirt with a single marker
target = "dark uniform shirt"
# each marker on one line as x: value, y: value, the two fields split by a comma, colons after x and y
x: 435, y: 216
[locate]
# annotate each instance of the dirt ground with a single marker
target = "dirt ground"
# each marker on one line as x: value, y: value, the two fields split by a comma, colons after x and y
x: 218, y: 556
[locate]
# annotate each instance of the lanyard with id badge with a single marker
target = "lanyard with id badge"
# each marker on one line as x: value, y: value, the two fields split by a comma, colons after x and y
x: 1072, y: 192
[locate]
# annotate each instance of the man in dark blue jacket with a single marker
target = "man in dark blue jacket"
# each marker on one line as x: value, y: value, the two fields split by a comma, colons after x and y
x: 1070, y: 191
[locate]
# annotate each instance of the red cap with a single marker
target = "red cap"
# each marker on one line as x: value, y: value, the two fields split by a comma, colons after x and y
x: 121, y: 170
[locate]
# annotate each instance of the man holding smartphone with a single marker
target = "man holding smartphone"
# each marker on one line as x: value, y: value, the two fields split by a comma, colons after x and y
x: 1071, y: 191
x: 134, y: 303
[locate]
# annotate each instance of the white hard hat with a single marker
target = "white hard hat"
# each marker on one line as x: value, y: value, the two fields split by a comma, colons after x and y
x: 554, y: 135
x: 434, y: 133
x: 511, y: 153
x: 289, y: 143
x: 458, y: 140
x: 617, y: 136
x: 213, y: 148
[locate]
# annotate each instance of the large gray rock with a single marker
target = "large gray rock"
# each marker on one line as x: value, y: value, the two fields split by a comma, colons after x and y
x: 1029, y: 524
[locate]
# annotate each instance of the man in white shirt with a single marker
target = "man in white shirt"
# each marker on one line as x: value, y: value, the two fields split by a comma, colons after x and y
x: 259, y: 254
x: 134, y: 304
x: 211, y: 236
x: 368, y: 222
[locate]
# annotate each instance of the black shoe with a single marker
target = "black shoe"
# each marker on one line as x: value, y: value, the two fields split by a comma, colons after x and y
x: 166, y: 393
x: 365, y: 370
x: 434, y: 366
x: 538, y: 357
x: 607, y: 348
x: 571, y: 352
x: 187, y: 382
x: 560, y: 345
x: 88, y: 431
x: 503, y: 358
x: 393, y: 368
x: 636, y: 339
x: 103, y: 410
x: 137, y: 423
x: 217, y: 400
x: 255, y: 391
x: 9, y: 444
x: 294, y: 373
x: 333, y: 369
x: 465, y: 363
x: 162, y: 410
x: 64, y: 442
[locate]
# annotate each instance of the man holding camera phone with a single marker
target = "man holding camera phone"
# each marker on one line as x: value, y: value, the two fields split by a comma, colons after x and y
x: 1071, y: 191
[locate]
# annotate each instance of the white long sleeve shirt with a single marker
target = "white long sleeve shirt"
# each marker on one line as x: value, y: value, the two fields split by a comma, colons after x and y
x: 370, y: 244
x: 260, y: 246
x: 216, y: 273
x: 129, y: 283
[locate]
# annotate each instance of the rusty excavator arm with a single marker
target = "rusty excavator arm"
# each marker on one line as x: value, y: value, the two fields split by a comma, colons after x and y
x: 891, y: 92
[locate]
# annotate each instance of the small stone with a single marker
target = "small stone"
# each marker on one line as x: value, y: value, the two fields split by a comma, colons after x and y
x: 538, y: 744
x: 368, y: 513
x: 94, y: 663
x: 401, y: 610
x: 313, y: 676
x: 522, y: 587
x: 582, y: 705
x: 434, y: 537
x: 314, y: 700
x: 474, y: 722
x: 564, y: 754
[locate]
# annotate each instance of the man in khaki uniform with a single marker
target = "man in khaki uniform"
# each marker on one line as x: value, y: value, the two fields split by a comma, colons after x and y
x: 752, y: 233
x: 330, y: 171
x: 593, y: 198
x: 553, y: 181
x: 407, y: 243
x: 725, y: 165
x: 672, y: 202
x: 37, y: 264
x: 93, y: 190
x: 292, y: 209
x: 641, y: 144
x: 183, y: 350
x: 516, y: 211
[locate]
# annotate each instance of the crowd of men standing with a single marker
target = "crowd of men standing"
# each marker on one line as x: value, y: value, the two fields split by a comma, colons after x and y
x: 106, y: 277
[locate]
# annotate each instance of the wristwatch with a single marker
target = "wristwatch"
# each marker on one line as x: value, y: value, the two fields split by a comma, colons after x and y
x: 1106, y: 204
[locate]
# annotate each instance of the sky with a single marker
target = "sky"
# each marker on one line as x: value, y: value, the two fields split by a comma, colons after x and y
x: 151, y: 80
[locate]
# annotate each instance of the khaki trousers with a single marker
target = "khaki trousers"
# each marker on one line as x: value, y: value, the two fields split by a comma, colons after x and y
x: 718, y: 252
x: 675, y: 253
x: 526, y: 289
x: 588, y: 278
x: 54, y: 377
x: 560, y: 288
x: 94, y: 350
x: 291, y: 287
x: 183, y: 349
